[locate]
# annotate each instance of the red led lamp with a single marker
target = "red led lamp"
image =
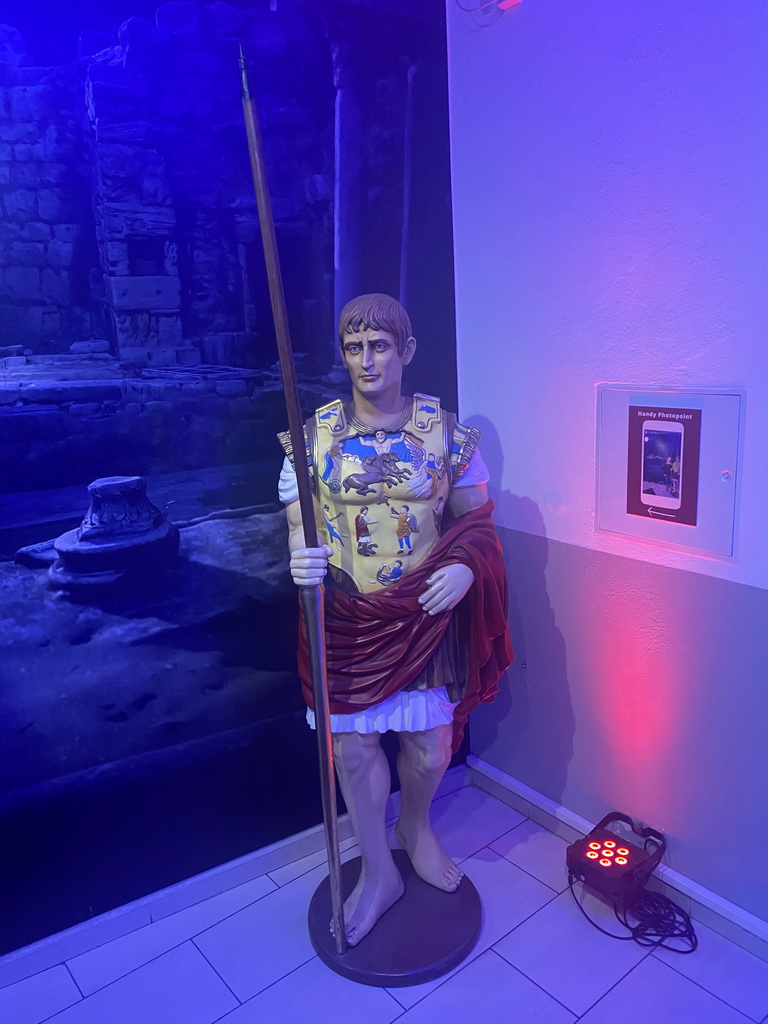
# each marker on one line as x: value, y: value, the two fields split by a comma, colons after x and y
x: 620, y: 870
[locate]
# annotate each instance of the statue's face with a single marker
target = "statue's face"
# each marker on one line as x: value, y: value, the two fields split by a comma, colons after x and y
x: 374, y: 364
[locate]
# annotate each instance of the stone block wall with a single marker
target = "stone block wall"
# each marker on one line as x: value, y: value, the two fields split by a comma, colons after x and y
x: 126, y: 202
x: 57, y: 434
x: 47, y: 246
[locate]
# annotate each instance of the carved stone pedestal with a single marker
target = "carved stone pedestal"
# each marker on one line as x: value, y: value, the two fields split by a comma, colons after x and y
x: 123, y: 534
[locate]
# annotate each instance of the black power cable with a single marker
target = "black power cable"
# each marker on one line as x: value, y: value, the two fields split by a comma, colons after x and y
x: 658, y: 920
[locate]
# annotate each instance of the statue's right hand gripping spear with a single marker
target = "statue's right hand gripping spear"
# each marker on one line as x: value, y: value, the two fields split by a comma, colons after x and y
x: 312, y: 597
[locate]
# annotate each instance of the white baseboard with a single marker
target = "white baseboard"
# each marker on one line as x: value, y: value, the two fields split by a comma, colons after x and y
x: 702, y: 904
x: 55, y: 949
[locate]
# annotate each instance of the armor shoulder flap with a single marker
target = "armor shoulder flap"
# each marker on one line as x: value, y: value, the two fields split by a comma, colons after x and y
x: 426, y: 412
x: 463, y: 445
x: 284, y: 437
x: 331, y: 419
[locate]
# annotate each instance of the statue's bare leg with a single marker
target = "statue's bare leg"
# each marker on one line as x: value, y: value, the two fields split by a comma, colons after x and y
x: 364, y: 778
x: 421, y: 764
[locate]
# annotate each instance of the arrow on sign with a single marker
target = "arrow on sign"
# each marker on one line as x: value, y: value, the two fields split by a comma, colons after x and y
x: 655, y: 512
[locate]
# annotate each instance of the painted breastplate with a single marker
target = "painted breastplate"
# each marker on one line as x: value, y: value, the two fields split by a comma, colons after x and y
x: 381, y: 493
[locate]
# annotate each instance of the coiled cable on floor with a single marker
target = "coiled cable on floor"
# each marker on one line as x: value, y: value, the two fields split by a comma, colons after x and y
x: 658, y: 919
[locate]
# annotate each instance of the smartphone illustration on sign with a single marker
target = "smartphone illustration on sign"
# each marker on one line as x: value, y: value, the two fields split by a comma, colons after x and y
x: 662, y: 464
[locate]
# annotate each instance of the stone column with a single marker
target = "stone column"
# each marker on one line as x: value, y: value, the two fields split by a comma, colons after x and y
x: 407, y: 183
x: 349, y: 186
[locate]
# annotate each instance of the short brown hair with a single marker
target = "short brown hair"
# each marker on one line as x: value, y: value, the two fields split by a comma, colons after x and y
x: 376, y: 312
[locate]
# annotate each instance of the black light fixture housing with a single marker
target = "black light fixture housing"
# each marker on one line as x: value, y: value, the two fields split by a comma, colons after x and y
x: 611, y: 866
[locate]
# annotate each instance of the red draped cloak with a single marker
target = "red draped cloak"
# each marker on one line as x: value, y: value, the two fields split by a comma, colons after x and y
x: 378, y: 643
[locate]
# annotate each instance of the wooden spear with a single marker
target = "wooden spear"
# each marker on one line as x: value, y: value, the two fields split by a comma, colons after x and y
x: 312, y: 598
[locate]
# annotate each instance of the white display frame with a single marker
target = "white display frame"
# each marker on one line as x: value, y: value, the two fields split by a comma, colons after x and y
x: 722, y: 416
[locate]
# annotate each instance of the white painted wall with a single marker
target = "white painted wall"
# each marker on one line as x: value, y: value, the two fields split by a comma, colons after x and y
x: 610, y: 182
x: 610, y: 186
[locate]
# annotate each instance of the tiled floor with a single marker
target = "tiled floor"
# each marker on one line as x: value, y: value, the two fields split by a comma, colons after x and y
x: 244, y: 957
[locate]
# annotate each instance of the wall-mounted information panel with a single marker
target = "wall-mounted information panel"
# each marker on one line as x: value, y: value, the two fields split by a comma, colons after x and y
x: 667, y: 465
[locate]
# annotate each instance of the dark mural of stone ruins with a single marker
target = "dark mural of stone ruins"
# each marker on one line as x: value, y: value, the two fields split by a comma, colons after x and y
x: 150, y: 718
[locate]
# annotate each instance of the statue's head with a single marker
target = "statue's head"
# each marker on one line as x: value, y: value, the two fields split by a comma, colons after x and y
x: 376, y: 312
x: 376, y: 343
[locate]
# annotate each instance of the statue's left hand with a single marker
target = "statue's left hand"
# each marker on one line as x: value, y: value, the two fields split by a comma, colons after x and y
x: 446, y: 587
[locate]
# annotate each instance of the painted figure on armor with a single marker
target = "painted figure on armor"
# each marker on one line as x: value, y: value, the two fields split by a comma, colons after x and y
x: 363, y: 524
x: 440, y: 648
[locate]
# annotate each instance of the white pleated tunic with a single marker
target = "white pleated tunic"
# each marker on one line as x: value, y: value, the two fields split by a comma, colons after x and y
x: 405, y: 711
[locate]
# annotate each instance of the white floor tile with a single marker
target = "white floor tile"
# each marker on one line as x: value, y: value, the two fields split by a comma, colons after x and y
x: 561, y: 951
x: 317, y: 994
x: 539, y: 852
x: 259, y: 945
x: 287, y: 873
x: 547, y: 962
x: 34, y: 999
x: 177, y: 987
x: 655, y: 993
x: 100, y: 967
x: 490, y: 991
x: 56, y: 949
x: 508, y: 895
x: 467, y: 820
x: 725, y: 970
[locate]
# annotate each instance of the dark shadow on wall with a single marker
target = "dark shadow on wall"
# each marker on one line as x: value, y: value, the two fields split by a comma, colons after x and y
x: 528, y: 731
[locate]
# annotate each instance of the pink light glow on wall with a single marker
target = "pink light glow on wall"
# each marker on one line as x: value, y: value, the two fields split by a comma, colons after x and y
x: 639, y: 703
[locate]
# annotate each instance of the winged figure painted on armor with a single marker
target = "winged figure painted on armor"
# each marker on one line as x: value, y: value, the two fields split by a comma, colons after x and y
x: 416, y: 596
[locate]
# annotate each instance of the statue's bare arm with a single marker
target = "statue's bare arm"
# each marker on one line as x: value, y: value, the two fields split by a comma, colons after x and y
x: 465, y: 499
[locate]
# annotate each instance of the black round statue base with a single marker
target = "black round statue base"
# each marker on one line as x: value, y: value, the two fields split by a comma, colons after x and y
x: 423, y: 936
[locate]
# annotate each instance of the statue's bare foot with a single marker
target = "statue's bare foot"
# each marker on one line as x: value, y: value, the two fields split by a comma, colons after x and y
x: 429, y: 859
x: 369, y: 900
